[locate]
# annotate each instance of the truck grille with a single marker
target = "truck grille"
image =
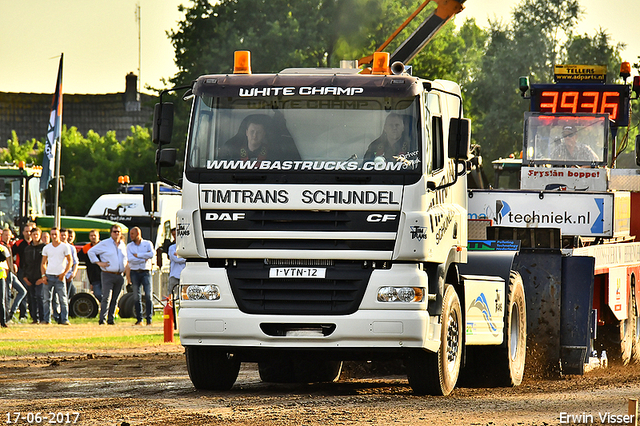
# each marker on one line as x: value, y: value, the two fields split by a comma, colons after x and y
x: 339, y: 293
x: 366, y: 234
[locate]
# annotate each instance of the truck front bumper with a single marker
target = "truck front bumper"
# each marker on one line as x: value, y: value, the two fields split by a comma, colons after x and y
x: 372, y: 329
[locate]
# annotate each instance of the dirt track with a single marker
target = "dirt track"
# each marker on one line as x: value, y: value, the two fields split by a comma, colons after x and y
x: 150, y: 386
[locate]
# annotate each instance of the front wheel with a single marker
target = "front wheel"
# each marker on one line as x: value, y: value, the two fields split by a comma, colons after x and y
x: 437, y: 374
x: 211, y: 369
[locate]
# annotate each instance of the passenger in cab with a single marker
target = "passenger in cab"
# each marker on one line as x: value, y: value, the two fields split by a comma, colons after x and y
x: 392, y: 143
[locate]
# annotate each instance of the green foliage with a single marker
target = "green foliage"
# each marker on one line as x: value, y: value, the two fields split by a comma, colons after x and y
x: 16, y: 152
x: 91, y: 165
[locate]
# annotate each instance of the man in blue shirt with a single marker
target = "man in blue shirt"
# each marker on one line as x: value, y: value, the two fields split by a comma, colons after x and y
x: 140, y: 252
x: 111, y: 256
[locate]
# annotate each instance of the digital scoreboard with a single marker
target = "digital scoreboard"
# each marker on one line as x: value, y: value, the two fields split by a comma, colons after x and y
x: 612, y: 99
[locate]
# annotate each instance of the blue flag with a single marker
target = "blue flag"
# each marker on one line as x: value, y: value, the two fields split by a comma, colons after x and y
x: 53, y: 134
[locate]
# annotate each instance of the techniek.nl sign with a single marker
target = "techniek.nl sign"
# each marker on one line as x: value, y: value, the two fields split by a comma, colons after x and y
x: 574, y: 213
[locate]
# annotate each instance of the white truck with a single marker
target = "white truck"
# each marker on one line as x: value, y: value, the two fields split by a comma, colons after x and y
x: 324, y: 218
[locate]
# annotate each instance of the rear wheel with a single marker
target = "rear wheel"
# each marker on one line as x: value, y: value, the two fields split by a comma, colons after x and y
x: 211, y: 369
x: 305, y: 369
x: 628, y: 332
x: 437, y: 373
x: 510, y: 356
x: 635, y: 353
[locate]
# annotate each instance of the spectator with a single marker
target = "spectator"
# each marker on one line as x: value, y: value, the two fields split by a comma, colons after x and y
x: 111, y: 256
x: 69, y: 237
x: 140, y: 252
x: 12, y: 282
x: 56, y: 262
x: 46, y: 238
x: 4, y: 253
x: 176, y: 265
x: 31, y: 261
x: 17, y: 249
x: 93, y: 270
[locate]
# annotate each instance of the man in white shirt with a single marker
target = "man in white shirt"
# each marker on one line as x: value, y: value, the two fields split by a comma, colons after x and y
x: 140, y: 252
x: 56, y: 262
x: 111, y: 256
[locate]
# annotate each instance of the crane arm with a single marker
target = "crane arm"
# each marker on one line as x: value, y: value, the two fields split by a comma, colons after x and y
x: 446, y: 10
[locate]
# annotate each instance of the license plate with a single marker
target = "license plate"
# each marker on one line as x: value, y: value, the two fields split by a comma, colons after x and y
x: 297, y: 272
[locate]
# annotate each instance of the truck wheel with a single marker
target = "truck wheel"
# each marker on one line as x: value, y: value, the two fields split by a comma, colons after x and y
x: 211, y: 369
x: 83, y: 305
x: 304, y: 370
x: 317, y: 370
x: 123, y: 310
x: 437, y: 373
x: 635, y: 354
x: 277, y: 370
x: 628, y: 332
x: 511, y: 354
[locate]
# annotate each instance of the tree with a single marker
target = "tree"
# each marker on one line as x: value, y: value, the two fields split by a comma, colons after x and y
x: 304, y: 33
x: 91, y: 165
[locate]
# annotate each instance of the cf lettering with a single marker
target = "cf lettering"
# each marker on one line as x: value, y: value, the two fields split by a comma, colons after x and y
x: 376, y: 217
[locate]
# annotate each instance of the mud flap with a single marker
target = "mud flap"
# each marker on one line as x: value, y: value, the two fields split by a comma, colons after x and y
x: 576, y: 319
x: 542, y: 278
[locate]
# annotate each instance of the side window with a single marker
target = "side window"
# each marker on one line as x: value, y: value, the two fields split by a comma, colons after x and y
x: 438, y: 143
x: 434, y: 149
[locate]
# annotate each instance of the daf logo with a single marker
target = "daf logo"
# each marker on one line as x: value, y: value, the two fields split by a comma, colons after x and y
x: 224, y: 216
x: 376, y: 217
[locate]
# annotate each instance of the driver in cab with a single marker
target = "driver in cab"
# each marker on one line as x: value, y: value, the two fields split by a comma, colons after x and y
x: 571, y: 149
x: 251, y: 142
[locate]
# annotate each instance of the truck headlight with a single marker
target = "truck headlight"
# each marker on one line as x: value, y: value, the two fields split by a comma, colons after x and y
x: 200, y: 292
x: 400, y: 294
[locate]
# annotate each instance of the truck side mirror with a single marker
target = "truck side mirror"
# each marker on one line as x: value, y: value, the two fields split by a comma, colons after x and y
x: 162, y: 123
x: 459, y: 138
x: 638, y: 150
x: 166, y: 157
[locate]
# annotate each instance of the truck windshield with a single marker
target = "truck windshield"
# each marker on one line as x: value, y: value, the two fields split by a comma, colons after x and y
x: 319, y: 134
x: 566, y: 140
x: 11, y: 194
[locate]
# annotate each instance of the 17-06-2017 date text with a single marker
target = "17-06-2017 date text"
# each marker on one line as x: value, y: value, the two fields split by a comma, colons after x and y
x: 17, y: 417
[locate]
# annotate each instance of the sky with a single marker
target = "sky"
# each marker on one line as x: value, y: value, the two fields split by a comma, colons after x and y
x: 99, y: 39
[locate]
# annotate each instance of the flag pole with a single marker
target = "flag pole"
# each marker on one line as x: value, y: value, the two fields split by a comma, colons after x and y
x: 58, y: 149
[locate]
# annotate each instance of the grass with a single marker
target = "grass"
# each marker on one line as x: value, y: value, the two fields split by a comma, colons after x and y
x: 85, y: 336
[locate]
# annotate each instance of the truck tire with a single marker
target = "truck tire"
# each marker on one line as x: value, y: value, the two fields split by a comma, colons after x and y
x: 628, y: 332
x: 130, y: 307
x: 277, y: 370
x: 510, y: 356
x: 83, y: 305
x: 618, y: 339
x: 635, y: 353
x: 437, y: 373
x: 317, y: 371
x: 123, y: 307
x: 211, y: 369
x: 299, y: 370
